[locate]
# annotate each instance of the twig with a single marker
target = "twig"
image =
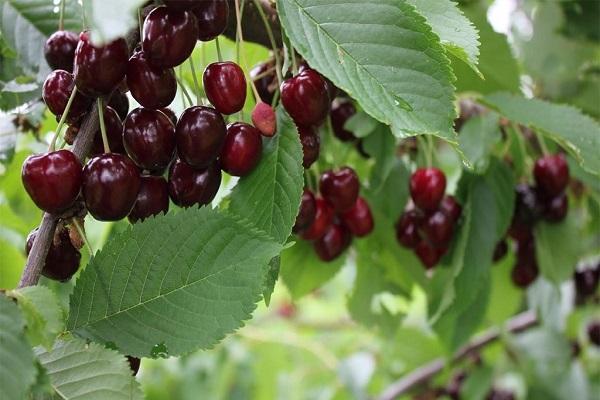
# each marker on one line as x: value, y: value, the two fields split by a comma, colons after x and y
x: 423, y: 374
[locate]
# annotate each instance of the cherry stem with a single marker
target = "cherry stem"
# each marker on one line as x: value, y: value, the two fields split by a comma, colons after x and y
x: 82, y: 234
x: 140, y: 21
x: 219, y: 54
x: 272, y: 40
x: 61, y: 16
x: 425, y: 150
x: 308, y: 180
x: 102, y: 125
x: 184, y: 90
x: 542, y: 142
x: 241, y: 43
x: 63, y: 118
x: 196, y: 84
x: 294, y: 62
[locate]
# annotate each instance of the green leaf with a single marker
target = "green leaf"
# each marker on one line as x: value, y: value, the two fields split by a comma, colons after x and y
x: 302, y: 271
x: 558, y: 247
x: 80, y: 370
x: 270, y: 196
x: 17, y: 369
x: 477, y: 139
x: 111, y: 19
x: 478, y: 383
x: 572, y: 129
x: 381, y: 145
x: 271, y: 279
x: 361, y: 124
x: 42, y: 312
x: 456, y: 32
x: 172, y: 284
x: 396, y: 69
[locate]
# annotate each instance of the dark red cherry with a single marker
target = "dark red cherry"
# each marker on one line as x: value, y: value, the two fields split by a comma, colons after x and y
x: 120, y: 103
x: 451, y: 208
x: 500, y: 251
x: 63, y: 258
x: 359, y: 219
x: 170, y: 113
x: 182, y: 4
x: 149, y: 139
x: 114, y: 133
x: 528, y: 207
x: 59, y: 50
x: 242, y: 149
x: 152, y: 199
x: 525, y: 251
x: 333, y: 243
x: 225, y: 86
x: 586, y: 282
x: 212, y: 18
x: 98, y: 70
x: 519, y: 231
x: 341, y: 112
x: 111, y: 183
x: 307, y: 213
x: 593, y: 331
x: 551, y: 174
x: 134, y: 364
x: 189, y: 186
x: 427, y: 187
x: 407, y: 229
x: 169, y: 36
x: 56, y: 92
x: 200, y: 135
x: 438, y: 228
x: 265, y: 81
x: 305, y: 98
x: 524, y: 274
x: 428, y: 254
x: 340, y: 188
x: 311, y: 145
x: 52, y: 180
x: 323, y: 219
x: 556, y: 208
x: 152, y: 87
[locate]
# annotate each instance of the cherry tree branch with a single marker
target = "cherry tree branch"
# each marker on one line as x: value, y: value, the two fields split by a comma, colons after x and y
x: 421, y: 375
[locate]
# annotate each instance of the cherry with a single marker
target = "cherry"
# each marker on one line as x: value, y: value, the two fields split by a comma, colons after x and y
x: 134, y: 364
x: 341, y: 112
x: 170, y: 113
x: 524, y: 274
x: 333, y: 243
x: 407, y: 229
x: 114, y: 133
x: 149, y: 138
x: 556, y: 208
x: 225, y: 86
x: 56, y: 92
x: 427, y: 187
x: 307, y: 213
x: 266, y: 84
x: 169, y: 36
x: 98, y: 70
x: 264, y: 119
x: 451, y: 208
x: 152, y: 199
x: 311, y: 145
x: 200, y: 135
x: 120, y: 103
x: 305, y: 98
x: 59, y: 50
x: 500, y: 251
x: 428, y: 254
x: 527, y: 205
x: 212, y: 18
x: 438, y: 228
x: 152, y: 87
x: 111, y: 183
x: 340, y: 188
x: 551, y: 174
x: 63, y: 258
x: 359, y: 219
x: 323, y: 219
x: 52, y: 180
x: 593, y: 331
x: 189, y: 186
x: 182, y: 4
x: 586, y: 282
x: 242, y: 149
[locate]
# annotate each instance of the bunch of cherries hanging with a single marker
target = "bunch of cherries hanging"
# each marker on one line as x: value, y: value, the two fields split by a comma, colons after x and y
x: 132, y: 151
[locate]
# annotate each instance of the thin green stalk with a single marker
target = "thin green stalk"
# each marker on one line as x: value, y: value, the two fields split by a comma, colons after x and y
x: 63, y: 118
x: 82, y: 234
x: 140, y: 25
x: 272, y: 40
x: 61, y: 16
x: 219, y: 54
x: 184, y: 90
x: 425, y: 150
x: 542, y: 142
x: 196, y: 84
x: 238, y: 18
x: 103, y: 125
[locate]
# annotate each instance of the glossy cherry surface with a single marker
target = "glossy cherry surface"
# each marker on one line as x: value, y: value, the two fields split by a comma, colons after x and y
x: 311, y: 145
x: 242, y: 149
x: 182, y: 4
x: 341, y: 112
x: 152, y: 199
x: 265, y: 81
x: 98, y: 70
x: 189, y: 186
x: 528, y: 207
x: 63, y: 258
x: 305, y: 98
x: 428, y: 254
x: 152, y: 87
x: 225, y: 86
x: 111, y: 183
x: 307, y: 213
x: 52, y: 180
x: 114, y: 133
x: 56, y: 92
x: 524, y: 274
x: 551, y: 174
x: 170, y: 113
x: 149, y: 138
x: 340, y: 188
x: 120, y: 103
x: 359, y: 219
x: 323, y: 219
x: 333, y: 243
x: 200, y: 135
x: 212, y: 18
x: 169, y: 36
x: 427, y: 187
x: 586, y: 281
x: 59, y: 50
x: 556, y: 208
x: 451, y: 208
x: 438, y: 228
x: 407, y: 229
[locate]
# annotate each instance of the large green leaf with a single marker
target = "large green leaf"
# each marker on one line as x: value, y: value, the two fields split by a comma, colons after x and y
x: 477, y: 139
x: 574, y: 130
x: 270, y: 196
x: 80, y: 370
x: 382, y: 53
x: 173, y: 283
x: 558, y: 247
x: 17, y: 369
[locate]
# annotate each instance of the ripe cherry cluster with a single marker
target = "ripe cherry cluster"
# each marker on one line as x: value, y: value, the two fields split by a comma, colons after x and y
x: 332, y: 219
x: 586, y: 281
x: 133, y: 150
x: 427, y: 225
x: 545, y: 200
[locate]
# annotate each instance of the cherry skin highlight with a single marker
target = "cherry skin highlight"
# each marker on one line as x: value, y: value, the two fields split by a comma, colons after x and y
x: 427, y: 187
x: 152, y: 87
x: 340, y: 188
x: 56, y: 92
x: 152, y: 199
x: 556, y: 209
x: 311, y: 145
x: 62, y: 260
x: 212, y: 18
x: 171, y: 114
x: 438, y: 229
x: 225, y: 86
x: 407, y: 229
x: 451, y: 208
x: 428, y: 254
x: 307, y: 213
x: 242, y: 149
x: 323, y: 219
x: 305, y: 98
x: 333, y: 243
x: 551, y: 174
x: 59, y: 50
x: 341, y: 112
x: 189, y: 186
x: 200, y: 135
x: 359, y: 219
